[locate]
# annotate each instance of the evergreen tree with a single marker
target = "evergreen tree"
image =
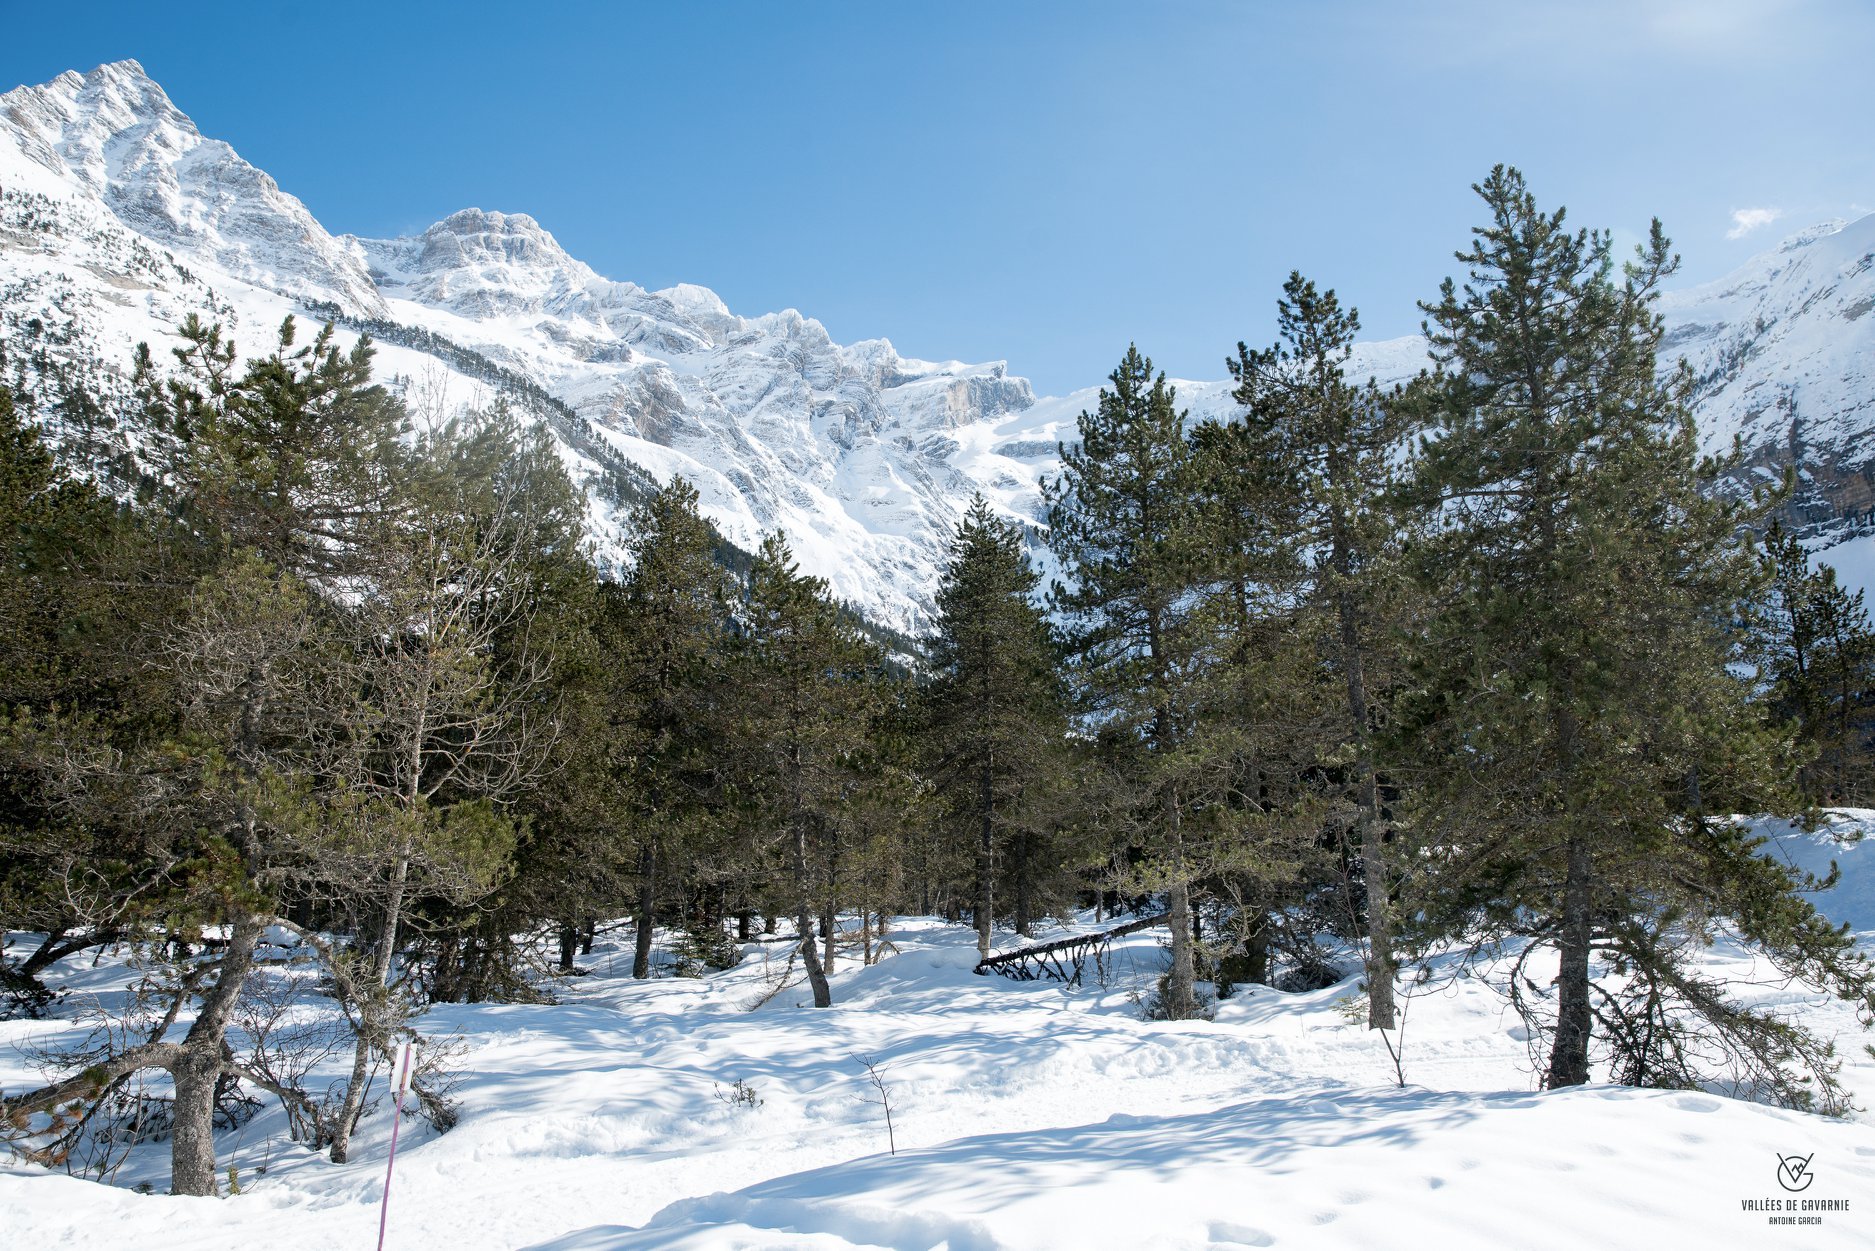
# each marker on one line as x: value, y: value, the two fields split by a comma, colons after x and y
x: 1819, y: 655
x: 1124, y: 523
x: 80, y: 584
x: 298, y: 456
x: 995, y: 719
x: 1328, y: 445
x: 666, y: 634
x: 803, y: 713
x: 1576, y: 719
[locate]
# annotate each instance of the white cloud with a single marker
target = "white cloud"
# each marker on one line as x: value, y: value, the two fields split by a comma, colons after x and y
x: 1744, y: 221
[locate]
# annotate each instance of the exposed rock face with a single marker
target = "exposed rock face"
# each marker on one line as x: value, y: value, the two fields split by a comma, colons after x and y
x: 117, y: 217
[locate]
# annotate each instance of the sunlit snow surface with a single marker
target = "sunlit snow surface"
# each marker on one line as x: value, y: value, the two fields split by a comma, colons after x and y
x: 1028, y: 1116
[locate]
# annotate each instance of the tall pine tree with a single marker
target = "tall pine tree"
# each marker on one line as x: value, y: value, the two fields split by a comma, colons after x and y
x: 803, y: 707
x: 1124, y: 523
x: 1330, y: 445
x: 1576, y: 718
x: 995, y: 724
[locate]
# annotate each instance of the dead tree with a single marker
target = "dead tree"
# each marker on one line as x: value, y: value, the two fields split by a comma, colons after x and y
x: 1065, y: 959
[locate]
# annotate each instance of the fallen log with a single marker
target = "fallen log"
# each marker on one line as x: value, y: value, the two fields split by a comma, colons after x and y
x: 1064, y: 959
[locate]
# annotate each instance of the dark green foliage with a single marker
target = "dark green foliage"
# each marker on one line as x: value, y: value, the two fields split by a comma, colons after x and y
x: 1819, y: 655
x: 1315, y: 455
x: 297, y: 456
x: 1574, y: 717
x: 664, y: 632
x: 1125, y: 522
x: 805, y: 702
x: 996, y: 726
x: 79, y: 584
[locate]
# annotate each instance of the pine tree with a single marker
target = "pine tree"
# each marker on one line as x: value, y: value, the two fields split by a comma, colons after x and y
x: 297, y: 456
x: 80, y: 583
x: 1125, y: 524
x: 1325, y: 447
x: 995, y: 721
x: 1575, y: 719
x: 1819, y: 654
x: 803, y: 712
x: 666, y: 637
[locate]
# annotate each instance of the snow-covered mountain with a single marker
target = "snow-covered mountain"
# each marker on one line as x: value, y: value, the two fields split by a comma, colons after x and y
x: 118, y: 217
x: 1783, y: 356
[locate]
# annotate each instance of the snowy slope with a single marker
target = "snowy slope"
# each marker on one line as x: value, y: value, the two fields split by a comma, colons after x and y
x: 115, y: 135
x: 117, y: 217
x: 1783, y: 357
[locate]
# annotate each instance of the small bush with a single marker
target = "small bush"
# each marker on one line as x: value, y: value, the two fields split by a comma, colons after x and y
x: 1310, y: 972
x: 739, y: 1095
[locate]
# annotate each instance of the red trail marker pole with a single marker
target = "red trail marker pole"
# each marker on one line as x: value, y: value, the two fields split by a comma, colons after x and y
x: 401, y: 1071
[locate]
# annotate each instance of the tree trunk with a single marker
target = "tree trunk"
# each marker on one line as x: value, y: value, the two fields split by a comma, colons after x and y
x: 986, y: 848
x: 743, y: 926
x: 1180, y: 1001
x: 644, y: 922
x: 355, y: 1088
x: 569, y: 946
x: 810, y: 956
x: 1025, y: 916
x: 588, y: 933
x: 804, y: 918
x: 1257, y: 951
x: 1381, y: 1011
x: 197, y: 1067
x: 1569, y: 1055
x: 829, y: 932
x: 372, y: 1006
x: 192, y: 1136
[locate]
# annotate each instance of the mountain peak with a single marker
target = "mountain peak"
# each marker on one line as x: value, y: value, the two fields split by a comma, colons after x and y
x: 1811, y: 234
x: 480, y: 236
x: 479, y: 263
x: 115, y: 134
x: 128, y: 71
x: 112, y: 97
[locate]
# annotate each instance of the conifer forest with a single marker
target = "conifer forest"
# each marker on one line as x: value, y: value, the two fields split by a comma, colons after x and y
x: 1477, y: 663
x: 503, y: 748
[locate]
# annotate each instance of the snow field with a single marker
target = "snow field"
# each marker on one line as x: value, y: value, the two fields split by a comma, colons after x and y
x: 1028, y: 1116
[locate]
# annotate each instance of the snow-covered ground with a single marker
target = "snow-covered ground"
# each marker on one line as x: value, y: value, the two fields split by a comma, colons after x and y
x: 1027, y: 1115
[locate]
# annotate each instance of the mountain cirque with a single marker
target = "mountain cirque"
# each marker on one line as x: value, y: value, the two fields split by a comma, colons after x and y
x: 118, y: 217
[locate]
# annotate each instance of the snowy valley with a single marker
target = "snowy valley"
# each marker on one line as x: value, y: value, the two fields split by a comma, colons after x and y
x: 1027, y: 1116
x: 1382, y: 781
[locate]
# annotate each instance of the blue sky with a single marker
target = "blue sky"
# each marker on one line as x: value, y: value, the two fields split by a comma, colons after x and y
x: 1038, y: 182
